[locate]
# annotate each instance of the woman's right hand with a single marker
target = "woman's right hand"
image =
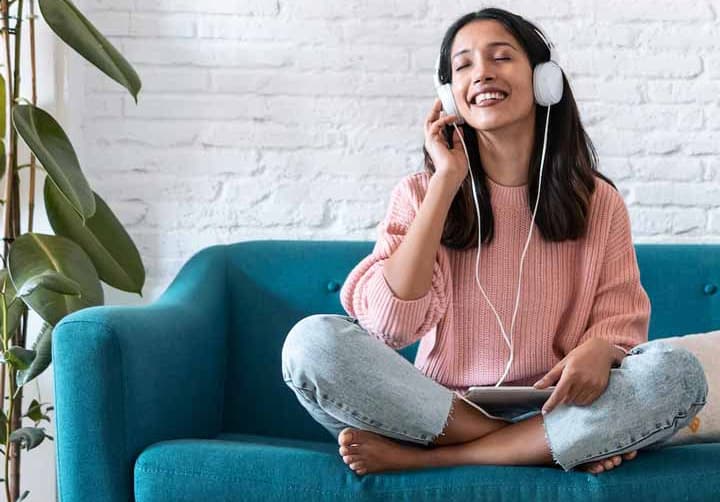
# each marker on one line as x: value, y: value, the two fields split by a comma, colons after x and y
x: 447, y: 162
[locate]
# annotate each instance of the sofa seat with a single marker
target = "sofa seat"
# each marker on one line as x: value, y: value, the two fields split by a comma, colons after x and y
x: 265, y: 468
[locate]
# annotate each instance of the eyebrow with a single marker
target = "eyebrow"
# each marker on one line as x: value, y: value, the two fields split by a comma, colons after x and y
x: 491, y: 44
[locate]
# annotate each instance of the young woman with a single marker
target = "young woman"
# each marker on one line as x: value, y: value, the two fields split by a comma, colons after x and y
x: 583, y: 319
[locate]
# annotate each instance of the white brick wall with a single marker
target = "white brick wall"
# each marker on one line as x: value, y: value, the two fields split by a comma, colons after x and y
x: 293, y: 119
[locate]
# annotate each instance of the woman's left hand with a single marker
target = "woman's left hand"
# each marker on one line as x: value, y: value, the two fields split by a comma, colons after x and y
x: 584, y: 374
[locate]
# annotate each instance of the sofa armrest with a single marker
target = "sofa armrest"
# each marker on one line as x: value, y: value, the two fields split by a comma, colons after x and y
x: 129, y: 376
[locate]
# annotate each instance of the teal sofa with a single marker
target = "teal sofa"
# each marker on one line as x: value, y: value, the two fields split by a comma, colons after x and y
x: 183, y: 399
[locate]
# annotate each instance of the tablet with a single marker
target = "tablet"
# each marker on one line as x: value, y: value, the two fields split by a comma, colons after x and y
x: 509, y: 396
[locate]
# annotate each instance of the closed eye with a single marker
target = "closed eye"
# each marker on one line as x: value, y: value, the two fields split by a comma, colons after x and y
x: 496, y: 59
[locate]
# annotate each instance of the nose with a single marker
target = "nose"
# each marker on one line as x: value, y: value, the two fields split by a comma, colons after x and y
x: 482, y: 77
x: 482, y: 71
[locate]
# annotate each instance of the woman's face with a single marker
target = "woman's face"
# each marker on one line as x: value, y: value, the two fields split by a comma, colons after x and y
x: 483, y: 64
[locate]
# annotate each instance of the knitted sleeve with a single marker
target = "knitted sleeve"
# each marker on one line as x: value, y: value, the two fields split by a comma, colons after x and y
x: 621, y: 309
x: 367, y: 296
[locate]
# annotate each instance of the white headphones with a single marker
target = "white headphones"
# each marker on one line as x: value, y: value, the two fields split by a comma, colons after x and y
x: 548, y: 90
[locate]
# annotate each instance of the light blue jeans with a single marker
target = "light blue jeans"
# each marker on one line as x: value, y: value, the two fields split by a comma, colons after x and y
x: 345, y: 377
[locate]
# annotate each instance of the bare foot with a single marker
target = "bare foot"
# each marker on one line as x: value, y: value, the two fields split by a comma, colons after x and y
x: 366, y: 452
x: 606, y: 464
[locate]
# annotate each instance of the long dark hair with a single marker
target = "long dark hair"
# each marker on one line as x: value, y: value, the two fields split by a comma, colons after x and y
x: 570, y: 163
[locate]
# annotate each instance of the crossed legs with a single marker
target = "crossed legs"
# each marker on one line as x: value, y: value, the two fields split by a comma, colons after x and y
x: 468, y: 438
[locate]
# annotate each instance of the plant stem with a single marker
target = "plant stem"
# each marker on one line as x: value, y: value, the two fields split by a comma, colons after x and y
x: 16, y: 401
x: 8, y: 171
x: 7, y: 422
x: 14, y: 492
x: 4, y: 325
x: 33, y: 69
x: 7, y: 444
x: 5, y: 12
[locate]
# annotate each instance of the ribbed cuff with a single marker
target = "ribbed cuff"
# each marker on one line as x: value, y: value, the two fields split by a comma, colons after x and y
x: 393, y: 314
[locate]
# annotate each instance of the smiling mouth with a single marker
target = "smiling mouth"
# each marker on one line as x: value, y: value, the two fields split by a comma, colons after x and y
x: 488, y: 102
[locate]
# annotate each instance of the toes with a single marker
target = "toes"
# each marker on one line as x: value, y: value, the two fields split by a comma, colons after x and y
x: 604, y: 464
x: 594, y: 468
x: 346, y: 436
x: 347, y: 450
x: 630, y: 456
x: 349, y: 459
x: 609, y: 463
x: 355, y: 466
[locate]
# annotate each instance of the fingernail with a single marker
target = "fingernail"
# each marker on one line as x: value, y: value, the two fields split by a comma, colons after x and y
x: 544, y: 411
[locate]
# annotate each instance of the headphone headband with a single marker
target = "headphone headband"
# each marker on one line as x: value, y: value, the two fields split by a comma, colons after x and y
x: 550, y: 45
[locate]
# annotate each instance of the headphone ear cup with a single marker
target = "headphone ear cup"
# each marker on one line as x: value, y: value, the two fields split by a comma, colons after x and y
x: 547, y: 83
x: 448, y: 102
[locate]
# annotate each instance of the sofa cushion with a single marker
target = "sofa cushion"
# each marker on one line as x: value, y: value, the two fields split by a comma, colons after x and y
x: 705, y: 427
x: 249, y: 467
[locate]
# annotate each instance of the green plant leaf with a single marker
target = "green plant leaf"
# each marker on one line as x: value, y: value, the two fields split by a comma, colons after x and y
x: 52, y: 147
x: 29, y: 437
x: 15, y: 309
x: 19, y: 357
x: 35, y: 413
x: 33, y: 253
x: 49, y: 279
x: 43, y: 349
x: 103, y: 238
x: 75, y: 30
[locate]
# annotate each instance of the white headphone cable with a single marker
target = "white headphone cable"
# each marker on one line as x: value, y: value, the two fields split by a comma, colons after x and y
x: 522, y: 258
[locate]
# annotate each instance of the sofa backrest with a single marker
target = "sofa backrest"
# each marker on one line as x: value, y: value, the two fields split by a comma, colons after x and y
x: 275, y: 283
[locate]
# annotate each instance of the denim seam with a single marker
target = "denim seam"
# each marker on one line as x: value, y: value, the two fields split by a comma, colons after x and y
x: 609, y: 453
x: 354, y: 413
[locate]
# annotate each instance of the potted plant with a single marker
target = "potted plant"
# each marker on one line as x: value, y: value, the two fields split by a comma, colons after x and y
x: 52, y: 275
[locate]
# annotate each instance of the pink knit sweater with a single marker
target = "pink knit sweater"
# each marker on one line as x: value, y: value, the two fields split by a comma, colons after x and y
x: 571, y: 291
